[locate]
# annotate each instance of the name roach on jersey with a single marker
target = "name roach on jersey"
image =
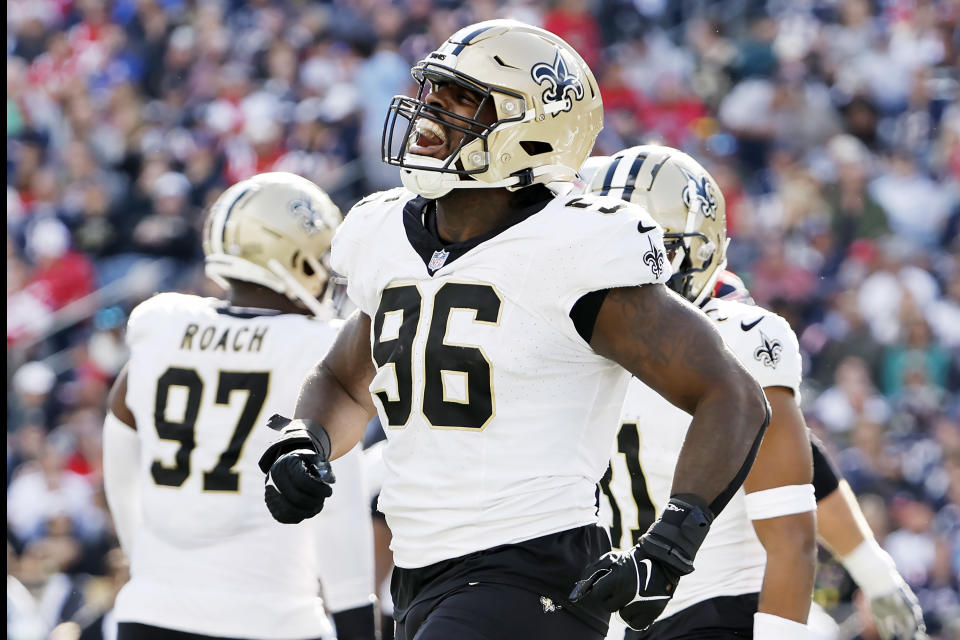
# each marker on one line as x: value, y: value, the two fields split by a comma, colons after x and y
x: 214, y: 338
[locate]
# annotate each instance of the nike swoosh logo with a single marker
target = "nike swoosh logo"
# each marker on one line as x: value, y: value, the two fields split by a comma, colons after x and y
x: 717, y: 313
x: 747, y: 327
x: 646, y: 563
x: 643, y: 229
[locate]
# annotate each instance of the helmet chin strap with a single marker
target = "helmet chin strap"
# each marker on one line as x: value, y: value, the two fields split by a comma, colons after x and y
x: 433, y: 183
x: 299, y: 291
x: 707, y: 290
x: 276, y: 278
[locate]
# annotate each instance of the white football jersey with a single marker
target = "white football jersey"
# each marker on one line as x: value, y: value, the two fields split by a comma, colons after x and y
x: 498, y: 415
x: 208, y: 557
x: 731, y: 560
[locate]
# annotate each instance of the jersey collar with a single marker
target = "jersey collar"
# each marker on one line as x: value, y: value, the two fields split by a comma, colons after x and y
x: 419, y: 222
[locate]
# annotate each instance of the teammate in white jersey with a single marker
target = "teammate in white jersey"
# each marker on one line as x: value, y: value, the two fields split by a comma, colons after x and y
x: 498, y: 319
x: 750, y: 580
x: 843, y: 528
x: 185, y: 431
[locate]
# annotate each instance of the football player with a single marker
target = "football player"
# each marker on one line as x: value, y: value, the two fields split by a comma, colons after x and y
x: 498, y: 318
x: 185, y: 430
x: 750, y: 580
x: 843, y: 528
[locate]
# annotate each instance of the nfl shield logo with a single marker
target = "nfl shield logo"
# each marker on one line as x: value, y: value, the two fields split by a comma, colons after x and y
x: 438, y: 259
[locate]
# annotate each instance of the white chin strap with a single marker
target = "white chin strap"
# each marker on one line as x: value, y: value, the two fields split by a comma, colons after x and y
x: 433, y: 183
x: 296, y: 290
x: 707, y: 290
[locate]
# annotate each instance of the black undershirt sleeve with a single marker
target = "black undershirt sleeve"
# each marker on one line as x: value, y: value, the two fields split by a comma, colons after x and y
x: 584, y: 313
x: 826, y: 476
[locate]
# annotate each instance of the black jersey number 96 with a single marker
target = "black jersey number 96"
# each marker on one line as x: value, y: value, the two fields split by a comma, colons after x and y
x: 441, y: 359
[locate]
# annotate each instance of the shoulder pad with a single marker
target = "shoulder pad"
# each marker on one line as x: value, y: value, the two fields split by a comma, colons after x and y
x: 382, y: 197
x: 158, y: 303
x: 763, y: 340
x: 155, y: 302
x: 600, y: 204
x: 169, y: 303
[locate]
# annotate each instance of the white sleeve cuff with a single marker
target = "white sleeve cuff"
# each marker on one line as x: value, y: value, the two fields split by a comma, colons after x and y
x: 770, y: 627
x: 872, y: 569
x: 121, y: 469
x: 781, y: 501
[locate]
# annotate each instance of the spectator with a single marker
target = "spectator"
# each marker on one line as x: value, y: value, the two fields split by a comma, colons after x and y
x: 169, y: 230
x: 853, y: 211
x: 894, y: 283
x: 44, y: 489
x: 870, y: 464
x: 916, y: 359
x: 899, y: 191
x: 55, y: 595
x: 843, y: 333
x: 34, y: 403
x: 851, y: 398
x: 571, y: 21
x: 913, y: 546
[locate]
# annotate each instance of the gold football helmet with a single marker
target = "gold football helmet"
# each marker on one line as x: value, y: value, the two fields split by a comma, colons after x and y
x: 683, y: 198
x: 275, y: 230
x: 547, y: 102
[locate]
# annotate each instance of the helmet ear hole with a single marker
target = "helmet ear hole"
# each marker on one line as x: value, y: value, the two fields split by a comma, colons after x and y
x: 536, y: 147
x: 307, y: 269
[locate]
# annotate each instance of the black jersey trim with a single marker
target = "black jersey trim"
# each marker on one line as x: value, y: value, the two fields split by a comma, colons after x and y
x: 585, y: 311
x: 426, y: 241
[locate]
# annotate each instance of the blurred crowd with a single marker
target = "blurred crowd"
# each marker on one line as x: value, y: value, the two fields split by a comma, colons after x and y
x: 832, y: 126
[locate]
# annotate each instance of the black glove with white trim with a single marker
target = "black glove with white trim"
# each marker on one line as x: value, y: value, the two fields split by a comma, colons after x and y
x: 640, y: 581
x: 298, y: 470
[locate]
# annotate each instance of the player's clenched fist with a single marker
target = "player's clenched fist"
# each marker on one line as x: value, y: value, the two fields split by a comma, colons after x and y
x: 298, y: 470
x: 638, y: 583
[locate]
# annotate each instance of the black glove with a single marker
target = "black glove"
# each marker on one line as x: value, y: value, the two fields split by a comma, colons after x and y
x: 298, y: 470
x: 640, y: 581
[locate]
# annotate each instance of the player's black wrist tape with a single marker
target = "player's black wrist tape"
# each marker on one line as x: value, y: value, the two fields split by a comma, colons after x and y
x: 678, y: 533
x: 295, y: 434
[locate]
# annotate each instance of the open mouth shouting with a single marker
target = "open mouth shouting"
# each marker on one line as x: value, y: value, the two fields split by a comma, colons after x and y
x: 428, y: 139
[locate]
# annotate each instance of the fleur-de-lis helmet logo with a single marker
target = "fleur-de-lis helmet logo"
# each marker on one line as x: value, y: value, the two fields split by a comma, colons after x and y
x: 769, y: 351
x: 654, y: 259
x: 698, y: 195
x: 309, y: 219
x: 562, y: 85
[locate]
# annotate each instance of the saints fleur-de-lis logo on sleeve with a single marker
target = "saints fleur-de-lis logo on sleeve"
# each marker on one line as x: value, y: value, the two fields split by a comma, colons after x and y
x: 654, y: 258
x: 563, y: 86
x: 769, y: 351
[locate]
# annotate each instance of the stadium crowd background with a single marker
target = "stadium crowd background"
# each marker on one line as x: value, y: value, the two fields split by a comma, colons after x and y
x: 833, y: 128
